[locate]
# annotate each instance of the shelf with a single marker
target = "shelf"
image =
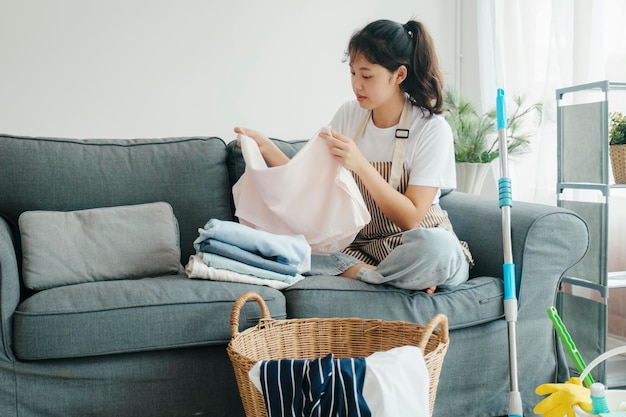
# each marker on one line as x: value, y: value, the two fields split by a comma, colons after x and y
x: 590, y: 185
x: 604, y: 86
x: 583, y: 173
x: 616, y: 279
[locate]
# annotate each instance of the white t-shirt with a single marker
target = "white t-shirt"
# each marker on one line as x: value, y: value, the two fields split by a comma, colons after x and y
x: 429, y: 154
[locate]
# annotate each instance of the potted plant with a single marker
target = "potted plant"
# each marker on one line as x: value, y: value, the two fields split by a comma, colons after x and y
x: 617, y: 148
x: 476, y: 140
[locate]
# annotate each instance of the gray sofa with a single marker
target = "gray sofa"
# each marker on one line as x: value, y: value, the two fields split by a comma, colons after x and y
x: 156, y: 346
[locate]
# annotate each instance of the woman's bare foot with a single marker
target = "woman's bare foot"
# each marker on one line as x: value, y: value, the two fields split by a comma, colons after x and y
x: 431, y: 290
x: 354, y: 270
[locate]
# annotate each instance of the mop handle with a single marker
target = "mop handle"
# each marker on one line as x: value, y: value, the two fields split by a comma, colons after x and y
x: 506, y: 199
x: 508, y: 268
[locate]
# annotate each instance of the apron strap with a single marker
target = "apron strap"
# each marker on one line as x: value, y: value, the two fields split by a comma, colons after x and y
x: 402, y: 136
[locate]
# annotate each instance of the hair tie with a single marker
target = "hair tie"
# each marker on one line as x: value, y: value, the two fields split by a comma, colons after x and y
x: 408, y: 30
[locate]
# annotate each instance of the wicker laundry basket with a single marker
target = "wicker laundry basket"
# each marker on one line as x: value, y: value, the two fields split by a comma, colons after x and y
x: 618, y: 163
x: 313, y: 338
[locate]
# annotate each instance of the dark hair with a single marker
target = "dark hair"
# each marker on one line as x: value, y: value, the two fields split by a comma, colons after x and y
x: 392, y: 44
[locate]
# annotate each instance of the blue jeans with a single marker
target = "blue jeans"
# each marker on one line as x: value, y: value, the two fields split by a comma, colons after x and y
x: 427, y: 257
x: 333, y: 264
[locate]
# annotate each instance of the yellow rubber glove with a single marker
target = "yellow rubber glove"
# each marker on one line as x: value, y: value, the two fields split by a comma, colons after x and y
x: 562, y: 398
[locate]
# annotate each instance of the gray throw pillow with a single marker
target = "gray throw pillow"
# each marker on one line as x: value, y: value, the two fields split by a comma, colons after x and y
x: 125, y: 242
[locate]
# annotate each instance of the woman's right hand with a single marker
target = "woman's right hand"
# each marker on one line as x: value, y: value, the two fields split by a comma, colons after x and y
x: 345, y: 151
x: 260, y: 139
x: 270, y: 152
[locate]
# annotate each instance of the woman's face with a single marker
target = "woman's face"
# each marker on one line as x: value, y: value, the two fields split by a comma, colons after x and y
x: 373, y: 84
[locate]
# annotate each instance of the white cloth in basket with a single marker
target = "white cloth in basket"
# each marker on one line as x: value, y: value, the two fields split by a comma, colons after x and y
x: 311, y: 195
x: 396, y: 384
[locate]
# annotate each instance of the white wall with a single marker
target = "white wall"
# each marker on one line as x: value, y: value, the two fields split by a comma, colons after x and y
x: 155, y: 68
x: 467, y: 75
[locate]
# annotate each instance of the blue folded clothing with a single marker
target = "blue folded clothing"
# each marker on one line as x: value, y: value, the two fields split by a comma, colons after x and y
x: 219, y: 262
x: 236, y: 253
x: 288, y: 250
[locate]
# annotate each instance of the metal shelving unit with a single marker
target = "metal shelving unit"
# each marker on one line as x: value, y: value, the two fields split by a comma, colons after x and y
x: 583, y: 186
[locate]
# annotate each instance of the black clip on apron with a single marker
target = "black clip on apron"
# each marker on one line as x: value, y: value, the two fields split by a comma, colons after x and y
x: 402, y: 136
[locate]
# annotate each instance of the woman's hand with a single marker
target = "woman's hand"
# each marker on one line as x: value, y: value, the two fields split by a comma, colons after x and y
x: 261, y: 140
x: 270, y: 152
x: 345, y: 151
x: 405, y: 210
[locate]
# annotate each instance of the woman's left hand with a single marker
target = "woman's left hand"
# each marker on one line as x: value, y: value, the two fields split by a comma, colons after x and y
x: 345, y: 151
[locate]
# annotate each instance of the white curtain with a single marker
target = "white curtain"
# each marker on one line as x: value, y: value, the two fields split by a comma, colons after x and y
x: 533, y: 47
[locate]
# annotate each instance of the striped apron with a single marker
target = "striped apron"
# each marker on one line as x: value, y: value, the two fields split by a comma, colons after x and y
x: 380, y: 236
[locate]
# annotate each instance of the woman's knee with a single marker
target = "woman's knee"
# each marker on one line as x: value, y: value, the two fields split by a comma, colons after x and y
x: 433, y: 242
x: 442, y: 252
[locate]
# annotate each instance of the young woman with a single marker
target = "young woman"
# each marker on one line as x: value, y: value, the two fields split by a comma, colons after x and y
x: 400, y: 151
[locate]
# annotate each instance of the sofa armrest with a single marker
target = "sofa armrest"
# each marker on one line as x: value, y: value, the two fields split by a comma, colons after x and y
x: 9, y: 289
x: 547, y: 241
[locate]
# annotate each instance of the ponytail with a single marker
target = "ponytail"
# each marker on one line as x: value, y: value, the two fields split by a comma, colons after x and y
x: 424, y: 84
x: 391, y: 45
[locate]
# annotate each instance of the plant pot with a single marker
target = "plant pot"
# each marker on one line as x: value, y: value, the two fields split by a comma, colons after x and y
x: 470, y: 177
x: 618, y: 162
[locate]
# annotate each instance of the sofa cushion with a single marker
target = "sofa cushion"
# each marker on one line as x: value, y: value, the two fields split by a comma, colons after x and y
x: 189, y: 173
x: 476, y: 301
x: 64, y: 248
x: 108, y: 317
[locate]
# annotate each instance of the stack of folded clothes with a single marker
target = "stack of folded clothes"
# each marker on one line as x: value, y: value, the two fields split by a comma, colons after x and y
x: 230, y: 251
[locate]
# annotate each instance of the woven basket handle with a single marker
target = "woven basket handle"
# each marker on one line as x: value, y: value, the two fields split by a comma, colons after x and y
x: 239, y: 303
x: 439, y: 320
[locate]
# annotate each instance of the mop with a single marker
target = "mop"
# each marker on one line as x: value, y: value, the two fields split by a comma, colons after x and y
x: 510, y: 296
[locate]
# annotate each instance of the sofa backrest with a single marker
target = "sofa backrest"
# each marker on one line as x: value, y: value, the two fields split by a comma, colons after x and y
x: 189, y: 173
